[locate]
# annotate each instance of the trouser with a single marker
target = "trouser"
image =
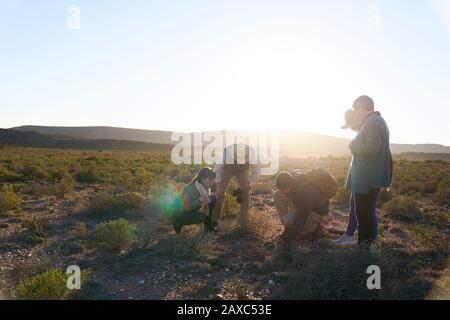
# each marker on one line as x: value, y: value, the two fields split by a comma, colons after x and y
x: 244, y: 184
x: 353, y: 220
x: 195, y: 217
x: 190, y: 217
x: 365, y: 204
x: 288, y: 211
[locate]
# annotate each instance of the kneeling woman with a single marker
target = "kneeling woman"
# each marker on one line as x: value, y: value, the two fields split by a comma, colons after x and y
x: 197, y: 202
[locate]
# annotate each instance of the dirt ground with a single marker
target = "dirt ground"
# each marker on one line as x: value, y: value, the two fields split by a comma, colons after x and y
x: 226, y: 265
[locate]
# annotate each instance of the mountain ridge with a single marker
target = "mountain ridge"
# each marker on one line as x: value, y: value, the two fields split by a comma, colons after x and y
x: 292, y: 143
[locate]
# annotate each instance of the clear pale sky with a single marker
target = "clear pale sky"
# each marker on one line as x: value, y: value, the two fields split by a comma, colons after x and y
x: 225, y: 64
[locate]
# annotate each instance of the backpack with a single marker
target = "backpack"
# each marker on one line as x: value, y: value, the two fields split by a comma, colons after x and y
x: 320, y: 178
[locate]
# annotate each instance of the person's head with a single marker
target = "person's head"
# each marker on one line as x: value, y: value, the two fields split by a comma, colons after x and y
x: 364, y: 104
x: 353, y: 120
x: 284, y: 182
x: 205, y: 176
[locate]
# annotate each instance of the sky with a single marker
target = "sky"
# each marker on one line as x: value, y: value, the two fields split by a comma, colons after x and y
x: 226, y: 64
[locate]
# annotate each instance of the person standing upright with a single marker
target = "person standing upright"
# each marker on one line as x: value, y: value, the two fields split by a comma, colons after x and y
x: 370, y: 168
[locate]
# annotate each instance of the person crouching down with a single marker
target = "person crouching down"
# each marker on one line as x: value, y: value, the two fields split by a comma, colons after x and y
x: 302, y: 201
x: 196, y: 201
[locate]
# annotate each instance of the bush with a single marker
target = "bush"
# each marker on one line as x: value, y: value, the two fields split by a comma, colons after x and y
x: 88, y: 174
x: 80, y: 230
x: 49, y: 285
x: 403, y: 206
x: 442, y: 195
x: 101, y: 203
x: 106, y: 203
x: 33, y: 239
x: 125, y: 181
x: 9, y: 200
x: 230, y: 205
x: 114, y: 236
x: 38, y: 225
x: 7, y: 175
x: 34, y: 172
x: 130, y: 201
x: 62, y: 187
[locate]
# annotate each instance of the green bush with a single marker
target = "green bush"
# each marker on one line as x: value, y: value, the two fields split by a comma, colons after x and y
x: 33, y: 239
x: 89, y: 174
x: 7, y: 175
x: 402, y: 205
x: 49, y: 285
x: 62, y: 187
x: 38, y: 225
x: 230, y: 205
x: 9, y: 200
x: 125, y: 181
x: 442, y: 195
x: 106, y: 203
x: 114, y: 236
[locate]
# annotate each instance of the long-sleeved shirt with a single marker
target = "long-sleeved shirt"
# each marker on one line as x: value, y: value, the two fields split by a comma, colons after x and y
x: 370, y: 166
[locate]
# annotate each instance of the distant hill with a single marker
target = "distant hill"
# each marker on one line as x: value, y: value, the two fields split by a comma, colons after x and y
x: 151, y: 136
x: 38, y: 140
x: 292, y: 143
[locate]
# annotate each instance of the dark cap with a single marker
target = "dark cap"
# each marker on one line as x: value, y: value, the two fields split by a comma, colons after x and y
x: 364, y: 103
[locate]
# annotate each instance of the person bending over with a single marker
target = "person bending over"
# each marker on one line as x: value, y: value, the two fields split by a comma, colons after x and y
x: 302, y: 201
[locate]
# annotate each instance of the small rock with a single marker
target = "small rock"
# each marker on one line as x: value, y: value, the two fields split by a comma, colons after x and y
x: 219, y: 296
x: 142, y: 282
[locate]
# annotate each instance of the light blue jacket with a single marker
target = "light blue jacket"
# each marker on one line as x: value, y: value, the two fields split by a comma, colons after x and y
x: 370, y: 166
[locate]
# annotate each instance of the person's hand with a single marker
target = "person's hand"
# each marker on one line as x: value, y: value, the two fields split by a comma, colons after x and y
x: 203, y: 201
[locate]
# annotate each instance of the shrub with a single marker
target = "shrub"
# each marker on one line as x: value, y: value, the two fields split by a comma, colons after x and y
x: 80, y: 230
x: 403, y: 206
x: 62, y: 187
x: 88, y: 174
x: 33, y: 239
x: 442, y: 195
x: 38, y: 225
x: 7, y: 175
x: 125, y: 181
x: 9, y: 200
x: 49, y: 285
x: 33, y: 172
x: 36, y: 189
x: 130, y: 201
x: 104, y: 203
x: 230, y: 205
x: 142, y: 178
x: 113, y: 236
